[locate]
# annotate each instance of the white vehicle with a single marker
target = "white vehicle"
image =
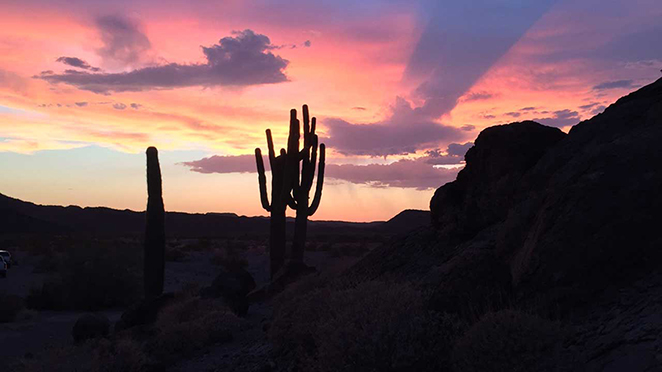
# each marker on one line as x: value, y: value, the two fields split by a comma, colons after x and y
x: 3, y: 268
x: 7, y: 256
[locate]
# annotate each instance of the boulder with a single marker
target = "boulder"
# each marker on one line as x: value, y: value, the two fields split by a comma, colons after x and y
x: 232, y: 284
x: 89, y: 326
x: 143, y: 312
x: 487, y: 186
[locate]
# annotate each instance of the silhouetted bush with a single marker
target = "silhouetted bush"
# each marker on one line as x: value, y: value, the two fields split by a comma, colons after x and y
x: 372, y: 326
x: 124, y: 355
x: 507, y: 340
x: 190, y: 324
x: 103, y: 355
x: 175, y: 254
x: 228, y: 258
x: 10, y: 307
x: 90, y: 276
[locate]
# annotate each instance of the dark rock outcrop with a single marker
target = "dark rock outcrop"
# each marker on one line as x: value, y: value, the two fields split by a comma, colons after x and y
x: 563, y: 225
x: 487, y: 187
x: 90, y: 326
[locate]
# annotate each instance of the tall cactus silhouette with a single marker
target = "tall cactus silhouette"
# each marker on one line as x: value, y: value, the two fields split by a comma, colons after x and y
x: 154, y: 258
x: 302, y: 185
x: 277, y: 207
x: 285, y: 182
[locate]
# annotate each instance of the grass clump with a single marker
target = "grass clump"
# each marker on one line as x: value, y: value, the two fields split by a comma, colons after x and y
x: 372, y: 326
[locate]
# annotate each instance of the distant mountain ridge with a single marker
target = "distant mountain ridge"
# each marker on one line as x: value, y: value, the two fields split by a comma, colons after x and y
x: 18, y: 216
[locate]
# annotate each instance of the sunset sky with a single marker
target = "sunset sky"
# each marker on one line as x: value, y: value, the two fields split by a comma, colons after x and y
x: 400, y: 89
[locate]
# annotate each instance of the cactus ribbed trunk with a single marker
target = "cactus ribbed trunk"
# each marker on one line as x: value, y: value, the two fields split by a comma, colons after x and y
x: 303, y: 184
x: 154, y: 257
x: 289, y: 178
x: 280, y: 189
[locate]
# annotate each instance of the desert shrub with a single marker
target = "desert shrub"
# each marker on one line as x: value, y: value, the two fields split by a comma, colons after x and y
x: 58, y: 359
x: 228, y: 258
x: 191, y: 324
x: 10, y: 307
x: 51, y: 295
x: 91, y: 276
x: 124, y: 355
x: 372, y: 326
x: 175, y: 254
x: 507, y: 340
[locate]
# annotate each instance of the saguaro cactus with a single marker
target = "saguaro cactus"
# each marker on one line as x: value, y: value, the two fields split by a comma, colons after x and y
x: 279, y: 194
x: 302, y: 185
x: 154, y: 259
x: 285, y: 181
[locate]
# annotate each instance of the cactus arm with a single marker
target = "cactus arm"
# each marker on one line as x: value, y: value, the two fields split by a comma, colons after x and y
x: 291, y: 202
x: 306, y: 127
x: 270, y: 144
x: 262, y: 180
x: 320, y: 182
x: 313, y: 159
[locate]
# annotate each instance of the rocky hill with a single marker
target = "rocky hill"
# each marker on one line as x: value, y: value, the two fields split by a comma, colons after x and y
x: 559, y: 224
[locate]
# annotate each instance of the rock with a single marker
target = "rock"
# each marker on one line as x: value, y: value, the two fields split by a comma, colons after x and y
x: 573, y: 219
x: 486, y: 188
x: 90, y: 326
x: 143, y: 312
x: 232, y: 285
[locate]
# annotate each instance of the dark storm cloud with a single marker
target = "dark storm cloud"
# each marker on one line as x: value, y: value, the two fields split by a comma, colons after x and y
x: 225, y: 164
x: 240, y: 60
x: 561, y: 118
x: 478, y: 96
x: 124, y: 42
x: 618, y: 84
x: 119, y: 106
x: 468, y: 127
x: 76, y: 62
x: 81, y: 104
x: 416, y: 173
x: 404, y: 132
x: 454, y: 154
x: 404, y: 173
x: 135, y: 106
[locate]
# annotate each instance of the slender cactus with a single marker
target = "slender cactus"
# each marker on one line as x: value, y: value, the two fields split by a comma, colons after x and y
x: 154, y: 259
x: 302, y: 185
x: 280, y: 191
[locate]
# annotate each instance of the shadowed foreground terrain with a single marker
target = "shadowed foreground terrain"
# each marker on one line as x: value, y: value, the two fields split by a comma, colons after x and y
x: 543, y: 255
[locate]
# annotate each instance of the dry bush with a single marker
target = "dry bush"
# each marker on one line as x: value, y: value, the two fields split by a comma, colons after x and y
x: 228, y: 258
x: 10, y: 307
x: 372, y: 326
x: 507, y: 340
x: 191, y: 324
x: 91, y: 275
x: 121, y: 355
x: 58, y: 359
